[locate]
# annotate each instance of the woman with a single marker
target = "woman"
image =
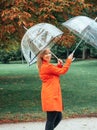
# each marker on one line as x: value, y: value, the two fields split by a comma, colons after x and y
x: 51, y: 92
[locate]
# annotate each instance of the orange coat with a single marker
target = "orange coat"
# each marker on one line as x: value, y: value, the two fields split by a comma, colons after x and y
x: 51, y: 96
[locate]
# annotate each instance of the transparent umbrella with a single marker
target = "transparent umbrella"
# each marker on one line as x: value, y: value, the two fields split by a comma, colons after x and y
x: 85, y: 28
x: 37, y: 38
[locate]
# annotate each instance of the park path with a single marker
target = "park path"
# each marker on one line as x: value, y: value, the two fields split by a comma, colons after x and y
x: 67, y: 124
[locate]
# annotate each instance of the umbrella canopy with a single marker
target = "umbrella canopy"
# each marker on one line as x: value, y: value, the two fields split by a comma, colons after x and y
x: 84, y: 27
x: 37, y: 38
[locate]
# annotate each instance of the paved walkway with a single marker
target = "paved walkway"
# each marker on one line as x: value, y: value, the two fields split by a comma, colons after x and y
x: 67, y: 124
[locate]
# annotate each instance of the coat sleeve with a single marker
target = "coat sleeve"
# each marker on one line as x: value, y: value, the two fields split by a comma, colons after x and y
x: 52, y: 69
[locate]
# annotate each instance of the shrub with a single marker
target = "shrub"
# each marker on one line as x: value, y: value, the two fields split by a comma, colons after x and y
x: 4, y: 56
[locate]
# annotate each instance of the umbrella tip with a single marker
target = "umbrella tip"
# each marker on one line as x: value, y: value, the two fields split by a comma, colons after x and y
x: 25, y: 28
x: 95, y: 18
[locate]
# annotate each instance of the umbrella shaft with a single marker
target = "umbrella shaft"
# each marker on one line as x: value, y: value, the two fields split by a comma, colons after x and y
x: 77, y: 46
x: 79, y: 42
x: 54, y: 55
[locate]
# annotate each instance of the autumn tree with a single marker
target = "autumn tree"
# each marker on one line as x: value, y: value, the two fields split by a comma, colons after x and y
x: 14, y: 14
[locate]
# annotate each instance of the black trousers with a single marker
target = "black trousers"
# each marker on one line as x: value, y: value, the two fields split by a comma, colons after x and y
x: 53, y: 119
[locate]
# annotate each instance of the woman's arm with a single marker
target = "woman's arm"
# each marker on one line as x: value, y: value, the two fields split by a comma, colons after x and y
x: 52, y: 69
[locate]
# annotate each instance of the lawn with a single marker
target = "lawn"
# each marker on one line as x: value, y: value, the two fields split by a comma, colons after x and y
x: 20, y: 89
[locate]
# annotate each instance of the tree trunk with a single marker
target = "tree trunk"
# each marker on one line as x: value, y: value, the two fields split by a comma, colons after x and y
x: 84, y: 53
x: 67, y: 52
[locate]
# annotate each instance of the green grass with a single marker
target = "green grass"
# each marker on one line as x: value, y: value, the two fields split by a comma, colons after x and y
x: 20, y: 89
x: 79, y: 88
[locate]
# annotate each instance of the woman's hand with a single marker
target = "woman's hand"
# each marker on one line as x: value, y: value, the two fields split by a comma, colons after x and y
x: 60, y: 63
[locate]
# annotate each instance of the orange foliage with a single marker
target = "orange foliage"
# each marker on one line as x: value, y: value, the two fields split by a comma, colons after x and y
x: 67, y: 39
x: 10, y: 28
x: 16, y: 13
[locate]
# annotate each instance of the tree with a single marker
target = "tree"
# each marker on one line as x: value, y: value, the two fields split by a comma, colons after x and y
x: 14, y: 14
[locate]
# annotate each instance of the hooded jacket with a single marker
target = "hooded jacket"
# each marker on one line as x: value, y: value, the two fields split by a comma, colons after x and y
x: 51, y: 96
